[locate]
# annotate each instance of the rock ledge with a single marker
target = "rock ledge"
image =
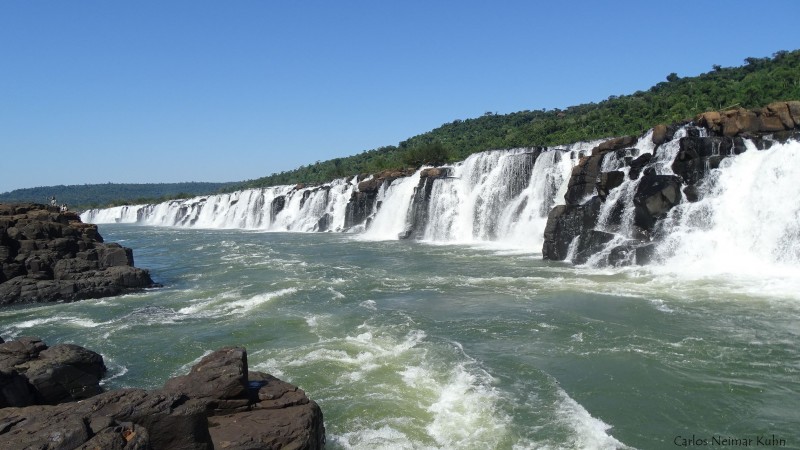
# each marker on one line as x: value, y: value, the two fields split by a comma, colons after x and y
x: 47, y: 255
x: 219, y: 404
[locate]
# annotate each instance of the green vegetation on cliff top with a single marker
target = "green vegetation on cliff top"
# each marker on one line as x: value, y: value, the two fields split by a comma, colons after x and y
x: 759, y: 82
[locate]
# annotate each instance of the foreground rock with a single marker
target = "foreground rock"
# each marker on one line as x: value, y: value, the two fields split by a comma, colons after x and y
x: 33, y: 374
x: 219, y: 404
x: 47, y: 255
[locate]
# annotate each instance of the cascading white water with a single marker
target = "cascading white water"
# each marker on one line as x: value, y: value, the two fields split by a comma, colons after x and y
x: 465, y: 208
x: 391, y: 220
x: 617, y: 212
x: 624, y: 193
x: 496, y: 196
x: 247, y: 209
x: 747, y: 218
x: 747, y: 221
x: 523, y: 221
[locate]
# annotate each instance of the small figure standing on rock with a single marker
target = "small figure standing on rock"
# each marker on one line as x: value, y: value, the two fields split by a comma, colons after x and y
x: 53, y: 201
x: 64, y: 208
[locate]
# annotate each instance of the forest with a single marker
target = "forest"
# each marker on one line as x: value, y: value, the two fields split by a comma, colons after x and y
x: 112, y: 194
x: 756, y: 83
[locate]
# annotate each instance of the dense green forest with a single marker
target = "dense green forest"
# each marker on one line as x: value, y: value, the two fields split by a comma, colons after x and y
x: 758, y: 82
x: 112, y: 194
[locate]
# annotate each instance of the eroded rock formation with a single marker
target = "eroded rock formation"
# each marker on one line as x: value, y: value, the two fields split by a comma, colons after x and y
x: 219, y: 404
x: 571, y: 228
x: 48, y: 255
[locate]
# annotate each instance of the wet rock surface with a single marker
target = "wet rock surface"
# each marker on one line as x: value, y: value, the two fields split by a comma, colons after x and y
x: 572, y: 230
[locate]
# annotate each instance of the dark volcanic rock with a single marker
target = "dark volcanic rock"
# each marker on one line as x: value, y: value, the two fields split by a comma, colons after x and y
x: 654, y: 197
x: 638, y: 164
x: 589, y: 243
x: 31, y: 373
x: 293, y: 421
x: 217, y: 405
x: 609, y: 181
x: 49, y: 255
x: 586, y: 174
x: 167, y: 421
x: 697, y: 155
x: 583, y: 179
x: 324, y: 222
x: 277, y: 205
x: 566, y: 222
x: 219, y: 379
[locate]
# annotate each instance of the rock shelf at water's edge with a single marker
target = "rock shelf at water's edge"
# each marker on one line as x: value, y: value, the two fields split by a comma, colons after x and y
x: 218, y: 404
x: 50, y: 255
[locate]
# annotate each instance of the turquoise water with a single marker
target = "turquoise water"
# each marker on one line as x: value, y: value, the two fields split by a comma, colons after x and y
x: 411, y: 345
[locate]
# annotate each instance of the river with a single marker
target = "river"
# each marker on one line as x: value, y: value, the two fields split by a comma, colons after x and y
x: 414, y: 344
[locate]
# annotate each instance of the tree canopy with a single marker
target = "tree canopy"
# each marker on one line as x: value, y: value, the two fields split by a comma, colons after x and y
x: 758, y: 82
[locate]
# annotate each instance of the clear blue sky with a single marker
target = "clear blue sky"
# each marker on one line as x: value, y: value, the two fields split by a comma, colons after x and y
x: 166, y: 91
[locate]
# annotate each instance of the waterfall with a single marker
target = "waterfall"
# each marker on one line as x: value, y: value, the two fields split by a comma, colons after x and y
x: 747, y: 221
x: 499, y: 196
x: 391, y: 220
x: 280, y: 208
x: 467, y: 207
x: 742, y: 213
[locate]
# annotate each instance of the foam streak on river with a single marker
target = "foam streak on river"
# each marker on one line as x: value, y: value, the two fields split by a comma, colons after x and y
x: 412, y: 345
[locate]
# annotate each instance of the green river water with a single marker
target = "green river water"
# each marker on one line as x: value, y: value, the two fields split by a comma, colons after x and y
x: 408, y: 345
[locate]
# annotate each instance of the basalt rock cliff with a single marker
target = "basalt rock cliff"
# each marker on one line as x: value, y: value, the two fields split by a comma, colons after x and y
x: 49, y: 255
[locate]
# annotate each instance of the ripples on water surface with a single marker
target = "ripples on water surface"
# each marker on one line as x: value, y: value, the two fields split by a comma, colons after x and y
x: 410, y: 345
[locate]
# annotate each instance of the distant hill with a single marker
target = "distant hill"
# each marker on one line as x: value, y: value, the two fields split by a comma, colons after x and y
x: 110, y: 194
x: 759, y: 82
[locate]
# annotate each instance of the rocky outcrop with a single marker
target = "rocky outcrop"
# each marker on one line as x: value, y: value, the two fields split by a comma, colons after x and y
x: 565, y: 223
x: 584, y: 177
x: 49, y: 255
x: 655, y: 196
x: 277, y: 205
x: 219, y: 404
x: 571, y: 228
x: 33, y: 374
x: 775, y: 117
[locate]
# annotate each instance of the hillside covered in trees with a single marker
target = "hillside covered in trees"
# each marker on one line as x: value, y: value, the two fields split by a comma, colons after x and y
x: 111, y: 194
x: 758, y: 82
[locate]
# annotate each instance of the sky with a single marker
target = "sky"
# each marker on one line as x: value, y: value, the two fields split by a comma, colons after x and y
x: 167, y: 91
